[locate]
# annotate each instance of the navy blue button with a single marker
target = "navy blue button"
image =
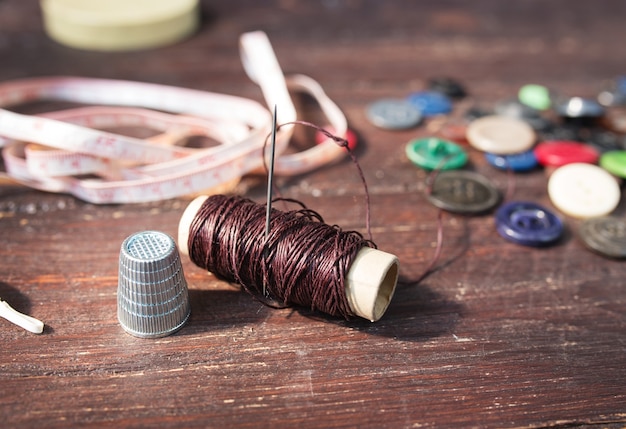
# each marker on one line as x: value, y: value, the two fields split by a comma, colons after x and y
x: 519, y: 162
x: 527, y: 223
x: 430, y: 103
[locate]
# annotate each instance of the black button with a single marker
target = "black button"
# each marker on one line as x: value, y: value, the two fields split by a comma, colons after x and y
x: 463, y: 192
x: 605, y: 235
x: 447, y: 86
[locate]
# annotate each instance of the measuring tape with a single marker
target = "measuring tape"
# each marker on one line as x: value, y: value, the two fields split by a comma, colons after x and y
x: 69, y: 150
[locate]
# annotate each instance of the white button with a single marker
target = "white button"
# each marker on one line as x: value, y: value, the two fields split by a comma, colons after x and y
x: 583, y: 190
x: 501, y: 135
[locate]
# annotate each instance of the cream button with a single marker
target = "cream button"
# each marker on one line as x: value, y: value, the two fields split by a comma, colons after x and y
x: 500, y: 135
x: 583, y: 190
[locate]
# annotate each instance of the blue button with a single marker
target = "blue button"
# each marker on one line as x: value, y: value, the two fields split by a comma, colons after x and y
x: 519, y: 162
x: 430, y: 103
x: 527, y: 223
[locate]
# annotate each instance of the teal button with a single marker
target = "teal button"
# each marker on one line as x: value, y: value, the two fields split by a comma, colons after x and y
x: 614, y: 162
x: 432, y: 153
x: 535, y: 96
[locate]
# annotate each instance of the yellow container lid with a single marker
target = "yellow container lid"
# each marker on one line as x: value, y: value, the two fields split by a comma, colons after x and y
x: 119, y: 25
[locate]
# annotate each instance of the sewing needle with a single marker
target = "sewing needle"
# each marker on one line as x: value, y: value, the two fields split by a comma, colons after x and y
x: 270, y: 185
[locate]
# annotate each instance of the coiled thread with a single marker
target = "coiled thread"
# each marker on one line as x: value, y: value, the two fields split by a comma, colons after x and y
x: 303, y: 261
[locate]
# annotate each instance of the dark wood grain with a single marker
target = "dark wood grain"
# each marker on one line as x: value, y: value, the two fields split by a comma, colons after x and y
x: 498, y: 336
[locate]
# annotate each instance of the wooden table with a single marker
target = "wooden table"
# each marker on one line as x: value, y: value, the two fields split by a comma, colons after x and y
x: 500, y: 335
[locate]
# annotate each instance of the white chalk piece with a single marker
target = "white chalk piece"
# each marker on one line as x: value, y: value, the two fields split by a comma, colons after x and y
x: 370, y: 282
x: 23, y: 321
x: 119, y: 25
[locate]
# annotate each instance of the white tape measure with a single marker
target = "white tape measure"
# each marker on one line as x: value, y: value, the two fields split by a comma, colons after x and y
x: 54, y: 151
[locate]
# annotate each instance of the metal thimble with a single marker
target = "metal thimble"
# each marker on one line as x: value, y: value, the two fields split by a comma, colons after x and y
x: 152, y: 296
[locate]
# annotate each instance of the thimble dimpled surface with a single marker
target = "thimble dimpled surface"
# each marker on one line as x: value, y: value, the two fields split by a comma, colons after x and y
x: 152, y: 296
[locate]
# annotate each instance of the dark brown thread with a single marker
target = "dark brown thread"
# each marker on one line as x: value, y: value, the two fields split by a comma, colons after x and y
x: 304, y: 261
x: 341, y: 142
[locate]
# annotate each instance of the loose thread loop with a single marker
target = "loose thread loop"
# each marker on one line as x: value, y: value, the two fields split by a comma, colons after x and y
x: 341, y: 142
x: 303, y: 262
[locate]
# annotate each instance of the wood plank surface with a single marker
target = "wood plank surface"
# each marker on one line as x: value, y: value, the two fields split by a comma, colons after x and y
x: 499, y: 335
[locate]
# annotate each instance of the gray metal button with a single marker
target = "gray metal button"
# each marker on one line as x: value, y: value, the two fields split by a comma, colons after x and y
x: 463, y: 192
x: 578, y: 107
x: 393, y: 114
x: 152, y: 296
x: 605, y: 235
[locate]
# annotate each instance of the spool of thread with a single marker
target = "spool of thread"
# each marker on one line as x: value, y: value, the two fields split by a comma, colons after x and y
x: 303, y: 262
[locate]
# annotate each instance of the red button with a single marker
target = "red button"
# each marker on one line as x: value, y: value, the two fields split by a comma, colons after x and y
x: 561, y: 152
x: 350, y: 137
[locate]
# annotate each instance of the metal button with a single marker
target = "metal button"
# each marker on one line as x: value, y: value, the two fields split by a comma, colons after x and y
x: 605, y: 235
x: 578, y: 107
x: 463, y: 192
x: 527, y: 223
x: 393, y: 114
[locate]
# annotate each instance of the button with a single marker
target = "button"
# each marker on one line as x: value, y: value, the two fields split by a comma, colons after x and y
x: 432, y: 153
x: 583, y: 190
x: 350, y: 137
x: 518, y: 110
x: 393, y: 114
x: 561, y: 132
x: 560, y: 152
x: 578, y: 107
x: 527, y: 223
x: 614, y: 162
x: 515, y: 109
x: 447, y: 86
x: 500, y: 135
x: 463, y: 192
x: 604, y: 141
x: 605, y: 235
x: 535, y: 96
x: 474, y: 113
x: 430, y: 103
x: 518, y: 162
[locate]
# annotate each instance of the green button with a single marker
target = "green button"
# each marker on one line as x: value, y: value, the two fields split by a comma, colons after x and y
x: 433, y: 153
x: 535, y: 96
x: 614, y: 162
